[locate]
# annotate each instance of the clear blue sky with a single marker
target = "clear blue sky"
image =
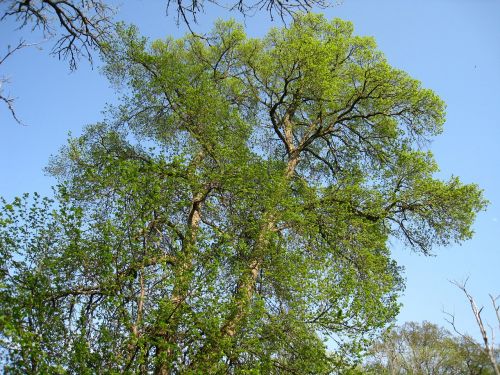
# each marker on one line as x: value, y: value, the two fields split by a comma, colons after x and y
x: 452, y: 46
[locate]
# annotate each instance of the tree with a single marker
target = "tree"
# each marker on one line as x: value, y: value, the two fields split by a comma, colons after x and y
x: 426, y: 349
x: 233, y: 213
x: 488, y: 346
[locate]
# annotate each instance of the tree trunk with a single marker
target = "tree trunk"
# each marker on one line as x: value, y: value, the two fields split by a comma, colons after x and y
x: 165, y: 354
x: 246, y: 285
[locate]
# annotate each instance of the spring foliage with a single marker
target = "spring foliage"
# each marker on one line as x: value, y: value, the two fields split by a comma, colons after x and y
x: 232, y: 215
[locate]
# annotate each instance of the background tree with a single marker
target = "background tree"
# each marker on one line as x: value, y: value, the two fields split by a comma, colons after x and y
x: 487, y: 331
x: 233, y: 213
x: 426, y: 349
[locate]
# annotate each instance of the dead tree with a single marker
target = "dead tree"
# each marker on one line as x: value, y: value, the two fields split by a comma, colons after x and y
x: 488, y: 338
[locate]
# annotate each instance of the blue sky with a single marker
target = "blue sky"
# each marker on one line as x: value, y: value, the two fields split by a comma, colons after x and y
x: 452, y: 46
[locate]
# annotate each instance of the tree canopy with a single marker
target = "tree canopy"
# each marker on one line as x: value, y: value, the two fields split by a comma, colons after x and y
x: 233, y: 213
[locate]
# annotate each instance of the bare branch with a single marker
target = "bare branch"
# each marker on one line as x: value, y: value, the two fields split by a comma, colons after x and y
x: 80, y: 27
x: 496, y: 308
x: 188, y: 11
x: 488, y: 340
x: 9, y: 101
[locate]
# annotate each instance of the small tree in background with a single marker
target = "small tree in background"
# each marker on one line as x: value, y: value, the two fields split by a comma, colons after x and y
x: 426, y: 349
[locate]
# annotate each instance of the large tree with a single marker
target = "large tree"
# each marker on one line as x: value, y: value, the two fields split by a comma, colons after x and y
x: 233, y: 214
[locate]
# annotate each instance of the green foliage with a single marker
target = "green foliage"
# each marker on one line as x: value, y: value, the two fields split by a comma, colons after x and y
x: 232, y: 214
x: 425, y: 349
